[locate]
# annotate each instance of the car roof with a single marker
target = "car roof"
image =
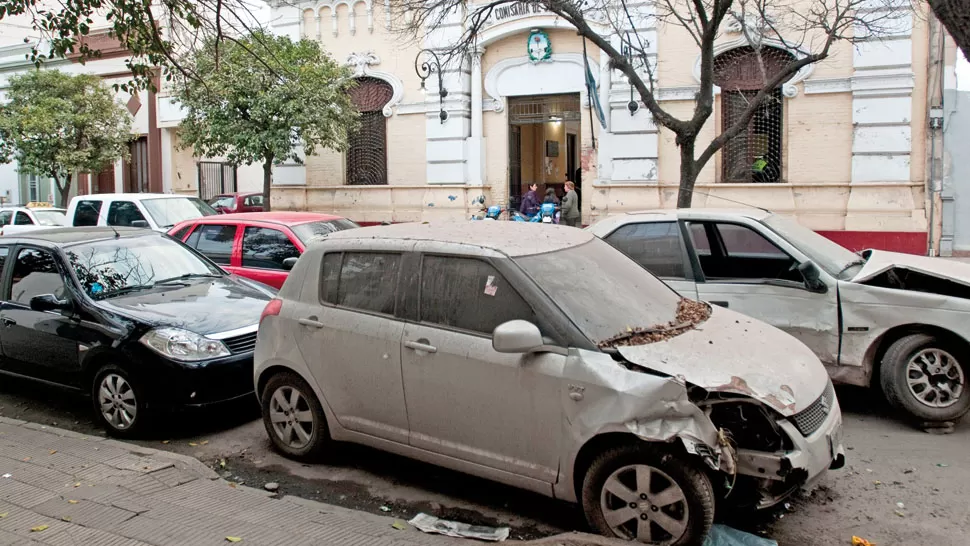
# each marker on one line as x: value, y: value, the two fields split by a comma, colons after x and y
x: 132, y: 196
x: 509, y: 238
x: 285, y: 218
x: 239, y: 194
x: 71, y: 235
x: 753, y: 213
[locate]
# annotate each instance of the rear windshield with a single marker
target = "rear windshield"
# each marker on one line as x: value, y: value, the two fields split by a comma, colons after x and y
x: 317, y: 229
x: 170, y: 211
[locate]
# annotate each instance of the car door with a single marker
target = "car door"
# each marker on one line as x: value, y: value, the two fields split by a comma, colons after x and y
x: 351, y: 340
x: 658, y: 247
x: 217, y: 242
x: 38, y: 344
x: 746, y: 270
x: 464, y: 399
x: 263, y: 251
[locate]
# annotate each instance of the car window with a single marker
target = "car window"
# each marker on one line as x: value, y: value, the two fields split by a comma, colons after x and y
x: 5, y: 217
x: 168, y: 211
x: 35, y: 274
x: 747, y: 255
x: 699, y: 239
x: 468, y: 294
x: 266, y: 248
x: 224, y: 202
x: 253, y: 201
x: 86, y: 213
x: 4, y: 252
x: 21, y: 219
x: 655, y: 246
x: 180, y: 233
x: 123, y: 213
x: 50, y: 217
x: 367, y: 281
x: 215, y: 241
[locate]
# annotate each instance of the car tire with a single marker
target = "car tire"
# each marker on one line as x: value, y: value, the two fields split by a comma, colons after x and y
x: 615, y: 507
x: 119, y: 402
x: 301, y: 432
x: 906, y: 373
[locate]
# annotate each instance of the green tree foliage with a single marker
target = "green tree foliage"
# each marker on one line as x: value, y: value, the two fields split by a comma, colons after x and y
x: 247, y: 112
x: 58, y: 125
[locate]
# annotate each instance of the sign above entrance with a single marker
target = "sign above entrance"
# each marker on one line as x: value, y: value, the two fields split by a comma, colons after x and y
x: 516, y: 10
x: 539, y: 47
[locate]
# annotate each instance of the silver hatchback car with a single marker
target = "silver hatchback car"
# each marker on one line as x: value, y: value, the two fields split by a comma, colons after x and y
x: 541, y: 357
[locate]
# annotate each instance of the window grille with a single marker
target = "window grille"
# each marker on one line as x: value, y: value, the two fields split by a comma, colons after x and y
x: 367, y: 153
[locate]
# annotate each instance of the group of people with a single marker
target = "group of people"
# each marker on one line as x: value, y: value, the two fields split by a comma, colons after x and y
x: 569, y: 207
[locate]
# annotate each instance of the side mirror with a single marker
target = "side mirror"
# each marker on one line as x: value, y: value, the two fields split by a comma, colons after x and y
x: 48, y: 302
x: 140, y: 224
x: 517, y: 337
x: 289, y: 263
x: 812, y: 276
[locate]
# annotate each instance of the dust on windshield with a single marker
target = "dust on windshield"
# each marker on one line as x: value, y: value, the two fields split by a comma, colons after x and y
x: 607, y: 295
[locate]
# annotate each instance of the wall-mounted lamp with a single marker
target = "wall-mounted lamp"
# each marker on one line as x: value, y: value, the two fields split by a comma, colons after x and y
x: 427, y: 63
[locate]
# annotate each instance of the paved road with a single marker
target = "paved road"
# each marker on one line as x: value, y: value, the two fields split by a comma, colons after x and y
x: 889, y: 463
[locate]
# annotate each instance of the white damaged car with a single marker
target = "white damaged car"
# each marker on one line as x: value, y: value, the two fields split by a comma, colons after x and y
x: 894, y: 321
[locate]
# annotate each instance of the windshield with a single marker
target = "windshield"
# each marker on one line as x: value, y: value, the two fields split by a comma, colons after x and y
x: 50, y: 217
x: 831, y: 257
x: 316, y: 229
x: 114, y: 266
x: 169, y: 211
x: 601, y: 290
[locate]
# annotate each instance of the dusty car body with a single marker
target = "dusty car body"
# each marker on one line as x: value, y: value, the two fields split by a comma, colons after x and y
x: 896, y: 321
x: 514, y: 352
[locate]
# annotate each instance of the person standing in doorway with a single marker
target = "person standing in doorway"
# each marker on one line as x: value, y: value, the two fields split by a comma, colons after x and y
x: 571, y: 215
x: 530, y: 202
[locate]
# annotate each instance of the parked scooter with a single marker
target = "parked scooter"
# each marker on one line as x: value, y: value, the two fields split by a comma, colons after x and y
x: 548, y: 214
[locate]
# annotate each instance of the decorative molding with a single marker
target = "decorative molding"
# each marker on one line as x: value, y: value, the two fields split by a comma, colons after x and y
x: 362, y: 63
x: 865, y: 84
x: 788, y: 88
x: 750, y: 25
x: 495, y: 100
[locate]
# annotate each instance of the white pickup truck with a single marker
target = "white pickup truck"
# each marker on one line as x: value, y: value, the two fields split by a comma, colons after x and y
x: 18, y: 219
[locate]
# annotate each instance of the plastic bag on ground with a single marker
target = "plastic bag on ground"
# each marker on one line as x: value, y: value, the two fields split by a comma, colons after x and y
x: 722, y: 535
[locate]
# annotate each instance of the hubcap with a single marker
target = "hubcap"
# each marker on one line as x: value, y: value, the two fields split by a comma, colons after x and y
x: 117, y: 400
x: 645, y: 504
x: 292, y: 417
x: 935, y: 378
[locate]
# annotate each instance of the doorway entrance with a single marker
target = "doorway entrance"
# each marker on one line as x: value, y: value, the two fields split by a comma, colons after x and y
x: 544, y: 136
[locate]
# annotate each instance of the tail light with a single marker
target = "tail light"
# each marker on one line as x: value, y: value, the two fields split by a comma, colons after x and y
x: 272, y: 309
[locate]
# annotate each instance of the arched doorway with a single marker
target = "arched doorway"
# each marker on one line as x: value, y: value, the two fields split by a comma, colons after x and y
x: 756, y: 153
x: 367, y: 152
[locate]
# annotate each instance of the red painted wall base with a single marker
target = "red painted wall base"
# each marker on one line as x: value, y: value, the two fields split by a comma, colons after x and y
x: 908, y: 242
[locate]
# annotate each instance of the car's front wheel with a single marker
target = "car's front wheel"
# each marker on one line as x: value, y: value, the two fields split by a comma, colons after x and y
x: 650, y: 495
x: 293, y: 417
x: 922, y: 376
x: 119, y: 402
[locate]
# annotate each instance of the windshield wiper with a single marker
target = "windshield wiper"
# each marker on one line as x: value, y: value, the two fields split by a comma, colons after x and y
x: 189, y: 276
x: 122, y: 291
x: 853, y: 263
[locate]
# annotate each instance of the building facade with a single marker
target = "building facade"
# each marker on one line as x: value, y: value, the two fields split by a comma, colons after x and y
x: 843, y: 147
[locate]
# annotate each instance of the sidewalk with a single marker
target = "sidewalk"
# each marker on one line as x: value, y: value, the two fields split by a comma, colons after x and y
x: 60, y: 488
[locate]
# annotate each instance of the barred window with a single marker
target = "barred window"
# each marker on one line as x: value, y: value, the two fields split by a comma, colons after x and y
x: 754, y: 154
x: 367, y: 154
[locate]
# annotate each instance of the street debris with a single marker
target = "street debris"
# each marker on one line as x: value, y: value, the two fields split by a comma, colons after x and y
x: 6, y: 476
x: 722, y: 535
x: 233, y: 539
x: 271, y: 486
x: 942, y: 465
x: 39, y: 528
x: 5, y: 514
x: 385, y: 509
x: 690, y: 313
x: 900, y: 505
x: 399, y: 525
x: 72, y: 501
x: 431, y: 524
x: 858, y: 541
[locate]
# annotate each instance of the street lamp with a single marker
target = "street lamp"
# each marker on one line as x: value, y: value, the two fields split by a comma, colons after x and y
x: 427, y: 63
x: 633, y: 105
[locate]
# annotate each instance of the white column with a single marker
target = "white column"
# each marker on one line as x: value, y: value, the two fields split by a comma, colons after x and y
x: 604, y: 167
x: 167, y: 160
x: 476, y: 147
x: 120, y: 173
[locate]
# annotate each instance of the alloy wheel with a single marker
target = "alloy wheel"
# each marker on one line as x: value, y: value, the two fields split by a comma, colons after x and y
x: 117, y: 401
x: 292, y: 417
x: 643, y: 503
x: 935, y: 378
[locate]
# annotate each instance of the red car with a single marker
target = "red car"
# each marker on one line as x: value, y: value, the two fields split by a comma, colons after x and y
x: 262, y: 246
x: 231, y: 203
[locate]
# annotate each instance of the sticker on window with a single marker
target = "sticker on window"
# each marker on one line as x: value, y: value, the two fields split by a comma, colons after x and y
x: 490, y: 287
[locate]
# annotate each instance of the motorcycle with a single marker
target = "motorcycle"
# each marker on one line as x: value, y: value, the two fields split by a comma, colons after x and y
x: 548, y: 214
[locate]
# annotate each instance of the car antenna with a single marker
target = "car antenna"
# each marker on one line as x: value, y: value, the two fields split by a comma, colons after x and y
x: 730, y: 200
x: 98, y: 212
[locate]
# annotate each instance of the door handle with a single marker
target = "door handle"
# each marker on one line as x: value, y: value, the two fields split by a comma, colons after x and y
x: 422, y: 347
x: 720, y: 303
x: 8, y: 321
x: 311, y: 322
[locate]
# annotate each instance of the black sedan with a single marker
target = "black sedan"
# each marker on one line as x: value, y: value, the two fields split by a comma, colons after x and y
x: 131, y: 316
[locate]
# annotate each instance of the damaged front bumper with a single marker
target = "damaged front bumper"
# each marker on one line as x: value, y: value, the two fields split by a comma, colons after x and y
x: 780, y: 474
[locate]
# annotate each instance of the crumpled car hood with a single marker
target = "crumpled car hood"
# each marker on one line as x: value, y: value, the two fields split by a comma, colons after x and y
x: 733, y: 353
x: 881, y: 261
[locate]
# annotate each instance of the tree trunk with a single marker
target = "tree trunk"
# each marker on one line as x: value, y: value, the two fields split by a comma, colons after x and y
x: 955, y: 16
x: 267, y: 182
x: 688, y: 171
x: 64, y: 191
